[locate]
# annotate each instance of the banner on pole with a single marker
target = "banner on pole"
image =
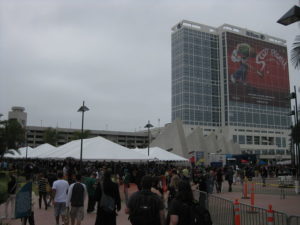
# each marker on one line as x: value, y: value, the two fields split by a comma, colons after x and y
x: 23, y: 201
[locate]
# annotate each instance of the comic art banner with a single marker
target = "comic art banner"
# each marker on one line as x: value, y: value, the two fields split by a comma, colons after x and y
x: 257, y: 71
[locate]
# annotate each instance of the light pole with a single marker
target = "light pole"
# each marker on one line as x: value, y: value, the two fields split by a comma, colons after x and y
x: 293, y: 95
x: 291, y: 16
x: 148, y: 126
x: 82, y: 109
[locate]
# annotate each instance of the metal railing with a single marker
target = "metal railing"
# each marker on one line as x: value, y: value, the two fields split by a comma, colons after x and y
x: 294, y: 220
x: 222, y: 213
x: 271, y: 186
x: 221, y: 210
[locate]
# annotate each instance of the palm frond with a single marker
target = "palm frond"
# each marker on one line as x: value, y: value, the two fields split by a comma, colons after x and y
x: 12, y: 151
x: 295, y: 53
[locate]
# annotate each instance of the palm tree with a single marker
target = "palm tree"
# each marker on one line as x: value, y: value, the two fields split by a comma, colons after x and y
x: 77, y: 134
x: 51, y: 136
x: 12, y: 136
x: 295, y: 53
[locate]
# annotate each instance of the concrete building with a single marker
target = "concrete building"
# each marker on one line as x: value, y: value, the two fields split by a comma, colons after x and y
x: 19, y: 114
x: 232, y: 81
x: 35, y: 136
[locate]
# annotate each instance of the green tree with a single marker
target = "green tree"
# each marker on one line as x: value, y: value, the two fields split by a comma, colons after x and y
x: 295, y: 53
x: 77, y: 135
x: 51, y: 136
x: 12, y: 136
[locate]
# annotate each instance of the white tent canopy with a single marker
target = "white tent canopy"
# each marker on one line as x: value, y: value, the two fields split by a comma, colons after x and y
x: 160, y: 154
x: 93, y: 149
x: 41, y: 149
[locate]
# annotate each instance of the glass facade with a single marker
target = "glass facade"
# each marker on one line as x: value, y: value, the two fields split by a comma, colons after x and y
x: 195, y: 77
x: 232, y: 78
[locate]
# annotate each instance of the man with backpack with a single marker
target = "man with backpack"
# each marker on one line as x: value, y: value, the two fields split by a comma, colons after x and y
x: 145, y: 207
x: 76, y: 196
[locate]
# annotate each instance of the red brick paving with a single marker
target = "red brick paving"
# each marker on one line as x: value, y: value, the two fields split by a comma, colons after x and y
x: 290, y: 205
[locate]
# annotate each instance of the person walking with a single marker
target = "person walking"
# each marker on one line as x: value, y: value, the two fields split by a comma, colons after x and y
x: 111, y: 189
x: 59, y: 194
x: 219, y: 180
x: 76, y: 196
x: 126, y: 183
x: 91, y: 188
x: 183, y: 210
x: 145, y: 207
x: 229, y: 178
x: 42, y: 184
x: 264, y: 175
x: 173, y: 186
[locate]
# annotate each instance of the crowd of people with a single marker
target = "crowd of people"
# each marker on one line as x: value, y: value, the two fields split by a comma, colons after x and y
x: 161, y: 188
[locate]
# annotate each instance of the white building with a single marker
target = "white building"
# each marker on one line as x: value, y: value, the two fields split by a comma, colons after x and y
x: 232, y: 81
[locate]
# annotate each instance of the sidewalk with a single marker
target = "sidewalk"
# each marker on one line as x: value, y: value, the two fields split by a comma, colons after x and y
x: 46, y: 217
x: 290, y: 206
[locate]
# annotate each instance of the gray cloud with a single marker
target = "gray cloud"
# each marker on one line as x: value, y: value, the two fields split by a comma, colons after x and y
x: 115, y: 55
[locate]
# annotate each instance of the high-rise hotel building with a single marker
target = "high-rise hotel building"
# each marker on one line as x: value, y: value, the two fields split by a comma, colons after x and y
x: 232, y: 79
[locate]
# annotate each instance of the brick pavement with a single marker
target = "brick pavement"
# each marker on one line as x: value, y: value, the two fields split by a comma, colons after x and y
x: 290, y: 206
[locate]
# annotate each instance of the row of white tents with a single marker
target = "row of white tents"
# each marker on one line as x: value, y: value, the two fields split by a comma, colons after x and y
x: 96, y: 149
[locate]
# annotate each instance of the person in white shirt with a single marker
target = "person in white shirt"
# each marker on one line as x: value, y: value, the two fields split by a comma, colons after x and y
x: 76, y: 196
x: 59, y: 193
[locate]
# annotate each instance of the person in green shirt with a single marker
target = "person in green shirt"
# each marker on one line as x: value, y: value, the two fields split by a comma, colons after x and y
x: 91, y: 184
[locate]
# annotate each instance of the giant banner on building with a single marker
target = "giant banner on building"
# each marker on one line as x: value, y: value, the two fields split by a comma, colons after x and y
x: 257, y: 71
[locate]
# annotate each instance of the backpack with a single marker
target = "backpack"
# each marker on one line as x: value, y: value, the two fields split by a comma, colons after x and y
x: 145, y: 211
x: 77, y: 195
x: 107, y: 203
x: 199, y: 215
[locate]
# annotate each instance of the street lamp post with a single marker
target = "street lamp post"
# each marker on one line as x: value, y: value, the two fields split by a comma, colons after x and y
x: 82, y: 109
x: 291, y: 16
x: 148, y: 126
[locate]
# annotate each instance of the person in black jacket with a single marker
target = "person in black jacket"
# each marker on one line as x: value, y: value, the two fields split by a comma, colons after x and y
x: 145, y: 207
x: 183, y: 210
x: 111, y: 189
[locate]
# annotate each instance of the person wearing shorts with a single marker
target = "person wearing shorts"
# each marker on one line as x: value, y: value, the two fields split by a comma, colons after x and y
x: 59, y: 190
x: 76, y: 197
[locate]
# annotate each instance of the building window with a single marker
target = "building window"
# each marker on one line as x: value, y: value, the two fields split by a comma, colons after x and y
x: 271, y: 140
x: 283, y: 142
x: 234, y: 139
x: 265, y: 152
x: 257, y: 152
x: 278, y: 141
x: 280, y: 152
x: 264, y: 140
x: 249, y: 140
x: 272, y: 152
x: 242, y: 139
x: 256, y: 140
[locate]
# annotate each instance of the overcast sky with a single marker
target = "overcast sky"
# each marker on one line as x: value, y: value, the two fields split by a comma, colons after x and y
x: 114, y: 54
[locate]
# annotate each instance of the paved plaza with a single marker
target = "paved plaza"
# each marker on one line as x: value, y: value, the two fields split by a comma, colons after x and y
x: 289, y: 205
